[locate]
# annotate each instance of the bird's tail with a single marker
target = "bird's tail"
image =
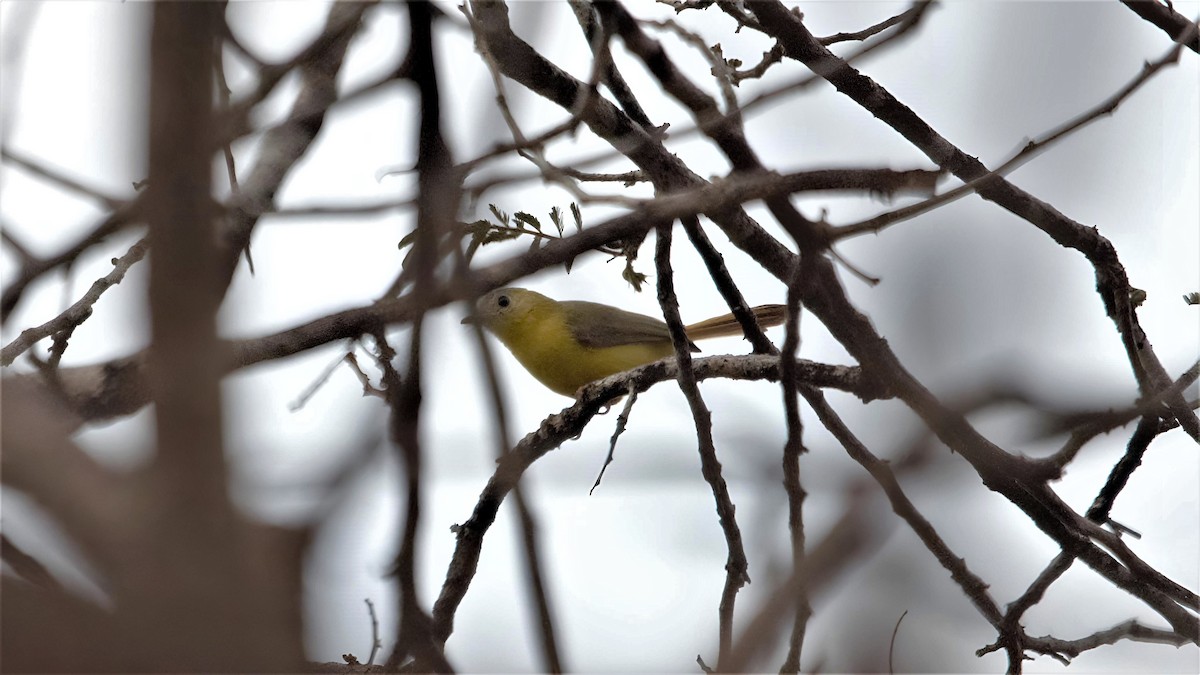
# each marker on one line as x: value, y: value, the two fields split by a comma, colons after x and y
x: 725, y: 325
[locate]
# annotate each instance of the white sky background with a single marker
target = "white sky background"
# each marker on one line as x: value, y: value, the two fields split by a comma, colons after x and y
x: 971, y: 295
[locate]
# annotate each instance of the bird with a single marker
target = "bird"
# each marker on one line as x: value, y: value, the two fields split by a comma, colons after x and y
x: 567, y: 344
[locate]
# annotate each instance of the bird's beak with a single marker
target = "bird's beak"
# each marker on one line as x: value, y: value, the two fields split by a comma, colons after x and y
x: 469, y: 319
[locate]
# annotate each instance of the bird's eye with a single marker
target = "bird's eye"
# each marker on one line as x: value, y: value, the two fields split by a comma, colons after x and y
x: 502, y: 301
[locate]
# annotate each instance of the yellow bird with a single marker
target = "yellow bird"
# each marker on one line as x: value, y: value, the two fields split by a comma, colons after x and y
x: 566, y: 345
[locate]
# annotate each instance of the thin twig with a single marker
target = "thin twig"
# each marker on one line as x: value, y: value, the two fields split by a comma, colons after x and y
x: 359, y: 208
x: 122, y: 216
x: 55, y: 176
x: 1152, y: 406
x: 531, y: 149
x: 598, y: 41
x: 973, y: 586
x: 537, y: 579
x: 321, y: 379
x: 376, y: 643
x: 283, y: 145
x: 892, y: 644
x: 715, y: 264
x: 1033, y: 595
x: 874, y: 30
x: 1031, y: 149
x: 622, y: 420
x: 78, y: 312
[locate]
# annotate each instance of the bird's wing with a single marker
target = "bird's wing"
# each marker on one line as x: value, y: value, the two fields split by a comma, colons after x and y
x: 596, y: 325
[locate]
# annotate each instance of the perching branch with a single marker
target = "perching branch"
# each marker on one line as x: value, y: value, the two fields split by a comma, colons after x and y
x: 570, y: 422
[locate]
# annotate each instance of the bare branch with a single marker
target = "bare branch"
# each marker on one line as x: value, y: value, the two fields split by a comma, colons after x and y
x: 871, y: 31
x: 55, y: 176
x: 1112, y: 282
x: 736, y: 566
x: 284, y: 145
x: 126, y: 214
x: 792, y: 450
x: 561, y: 427
x: 974, y: 587
x: 78, y: 312
x: 1174, y: 24
x: 437, y: 202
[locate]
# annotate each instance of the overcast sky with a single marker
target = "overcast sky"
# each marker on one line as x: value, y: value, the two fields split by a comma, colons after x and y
x: 970, y: 296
